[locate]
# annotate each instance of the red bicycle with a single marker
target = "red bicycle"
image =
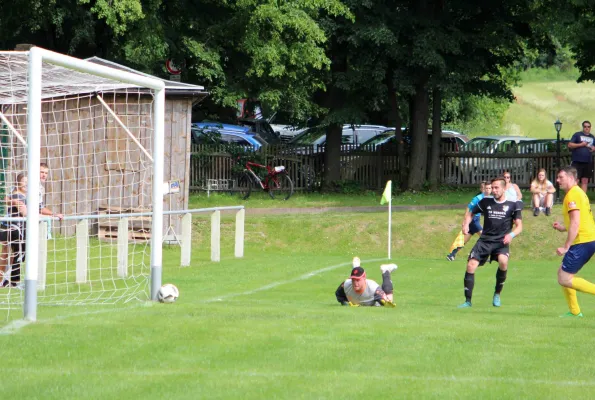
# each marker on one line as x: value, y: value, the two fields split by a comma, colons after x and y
x: 276, y: 182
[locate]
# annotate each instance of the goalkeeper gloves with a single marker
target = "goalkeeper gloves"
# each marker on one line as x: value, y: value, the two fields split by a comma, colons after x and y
x: 350, y: 304
x: 388, y: 303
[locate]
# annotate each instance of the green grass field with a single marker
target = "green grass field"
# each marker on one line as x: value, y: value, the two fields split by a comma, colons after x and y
x: 268, y: 325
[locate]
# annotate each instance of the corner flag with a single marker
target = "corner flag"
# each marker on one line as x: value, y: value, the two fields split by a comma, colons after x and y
x: 388, y: 191
x: 387, y: 198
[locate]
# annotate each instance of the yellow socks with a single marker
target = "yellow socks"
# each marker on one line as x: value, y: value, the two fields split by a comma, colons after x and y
x: 570, y: 295
x: 583, y: 285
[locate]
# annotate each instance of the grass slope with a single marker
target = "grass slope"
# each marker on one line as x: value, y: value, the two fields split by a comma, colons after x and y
x: 268, y: 326
x: 539, y: 104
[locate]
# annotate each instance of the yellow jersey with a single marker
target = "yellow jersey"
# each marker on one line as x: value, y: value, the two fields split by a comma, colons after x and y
x: 576, y: 199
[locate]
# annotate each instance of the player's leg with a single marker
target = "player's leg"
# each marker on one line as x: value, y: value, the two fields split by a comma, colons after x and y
x: 469, y: 281
x: 577, y: 256
x: 387, y: 283
x: 500, y: 278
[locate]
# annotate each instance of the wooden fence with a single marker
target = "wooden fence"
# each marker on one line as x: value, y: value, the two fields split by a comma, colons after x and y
x: 369, y: 167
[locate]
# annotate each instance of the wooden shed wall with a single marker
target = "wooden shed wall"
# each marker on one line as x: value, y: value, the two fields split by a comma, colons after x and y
x: 93, y: 163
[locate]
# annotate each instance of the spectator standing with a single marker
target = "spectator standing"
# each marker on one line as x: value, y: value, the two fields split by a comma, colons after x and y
x: 581, y: 146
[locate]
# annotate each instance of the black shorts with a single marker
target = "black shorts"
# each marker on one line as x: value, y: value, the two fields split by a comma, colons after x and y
x: 484, y: 250
x: 583, y: 169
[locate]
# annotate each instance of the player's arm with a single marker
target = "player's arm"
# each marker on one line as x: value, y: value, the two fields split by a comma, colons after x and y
x: 575, y: 218
x: 466, y: 221
x: 341, y: 296
x: 381, y: 297
x: 47, y: 211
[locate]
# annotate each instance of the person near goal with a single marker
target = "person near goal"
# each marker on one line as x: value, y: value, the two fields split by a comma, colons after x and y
x: 12, y: 234
x: 499, y: 215
x: 360, y: 291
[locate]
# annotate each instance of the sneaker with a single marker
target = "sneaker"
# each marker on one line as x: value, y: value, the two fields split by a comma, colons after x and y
x: 388, y: 267
x: 450, y: 257
x: 535, y: 212
x: 496, y: 301
x: 548, y: 211
x: 356, y: 262
x: 569, y: 314
x: 466, y: 304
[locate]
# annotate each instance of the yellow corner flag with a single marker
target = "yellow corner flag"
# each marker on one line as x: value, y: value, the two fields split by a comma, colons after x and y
x: 388, y: 191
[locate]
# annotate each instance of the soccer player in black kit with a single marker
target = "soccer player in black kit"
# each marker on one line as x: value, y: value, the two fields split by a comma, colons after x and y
x: 499, y: 216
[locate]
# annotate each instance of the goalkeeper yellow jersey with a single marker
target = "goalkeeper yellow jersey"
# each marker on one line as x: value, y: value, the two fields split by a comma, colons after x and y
x: 576, y: 199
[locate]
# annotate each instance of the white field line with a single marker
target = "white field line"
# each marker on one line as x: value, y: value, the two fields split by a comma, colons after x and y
x: 301, y: 374
x: 279, y: 283
x: 16, y: 326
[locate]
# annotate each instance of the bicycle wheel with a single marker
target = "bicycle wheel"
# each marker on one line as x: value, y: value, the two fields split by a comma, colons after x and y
x: 244, y: 188
x: 280, y: 186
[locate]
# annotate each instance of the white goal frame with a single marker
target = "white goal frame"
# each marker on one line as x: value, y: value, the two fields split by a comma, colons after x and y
x: 37, y: 56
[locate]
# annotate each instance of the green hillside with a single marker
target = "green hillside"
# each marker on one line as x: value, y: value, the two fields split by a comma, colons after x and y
x: 538, y: 104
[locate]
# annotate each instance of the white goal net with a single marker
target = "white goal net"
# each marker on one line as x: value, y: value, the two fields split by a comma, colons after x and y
x: 91, y: 167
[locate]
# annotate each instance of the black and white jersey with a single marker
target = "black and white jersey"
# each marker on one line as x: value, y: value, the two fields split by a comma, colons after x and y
x: 498, y: 217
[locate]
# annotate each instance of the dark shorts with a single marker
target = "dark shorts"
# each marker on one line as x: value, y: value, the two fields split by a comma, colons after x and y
x: 583, y: 169
x: 474, y: 227
x: 484, y: 250
x: 577, y: 256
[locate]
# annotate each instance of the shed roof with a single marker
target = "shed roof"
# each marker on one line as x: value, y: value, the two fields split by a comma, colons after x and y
x: 171, y: 87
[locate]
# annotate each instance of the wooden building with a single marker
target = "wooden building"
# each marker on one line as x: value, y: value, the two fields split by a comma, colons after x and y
x: 95, y: 166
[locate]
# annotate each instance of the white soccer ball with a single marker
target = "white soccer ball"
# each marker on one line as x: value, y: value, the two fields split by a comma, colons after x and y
x: 168, y: 293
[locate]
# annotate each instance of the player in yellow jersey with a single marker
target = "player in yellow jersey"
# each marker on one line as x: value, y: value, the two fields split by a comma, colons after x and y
x: 579, y: 246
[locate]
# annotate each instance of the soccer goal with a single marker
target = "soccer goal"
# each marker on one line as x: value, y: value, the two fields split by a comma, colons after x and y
x: 88, y: 139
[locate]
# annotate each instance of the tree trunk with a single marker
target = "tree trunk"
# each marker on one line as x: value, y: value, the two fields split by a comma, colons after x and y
x: 419, y: 138
x: 434, y: 172
x: 332, y: 155
x: 396, y: 121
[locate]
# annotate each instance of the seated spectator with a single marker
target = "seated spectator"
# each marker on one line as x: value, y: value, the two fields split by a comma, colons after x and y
x: 543, y: 193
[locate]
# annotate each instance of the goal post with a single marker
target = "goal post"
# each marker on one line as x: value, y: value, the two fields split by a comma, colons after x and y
x: 36, y: 85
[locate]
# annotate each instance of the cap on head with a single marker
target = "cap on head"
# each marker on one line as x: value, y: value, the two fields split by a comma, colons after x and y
x: 358, y: 273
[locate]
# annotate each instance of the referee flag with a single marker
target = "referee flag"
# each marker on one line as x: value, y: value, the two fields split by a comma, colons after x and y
x: 386, y: 196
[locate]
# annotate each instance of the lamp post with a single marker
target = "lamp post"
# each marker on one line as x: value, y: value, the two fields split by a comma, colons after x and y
x: 558, y: 126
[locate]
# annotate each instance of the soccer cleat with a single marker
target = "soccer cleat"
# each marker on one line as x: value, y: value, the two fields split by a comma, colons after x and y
x: 388, y: 267
x: 496, y: 301
x: 569, y: 314
x: 450, y: 257
x: 548, y: 211
x: 388, y: 303
x: 535, y: 212
x: 466, y: 304
x: 356, y: 262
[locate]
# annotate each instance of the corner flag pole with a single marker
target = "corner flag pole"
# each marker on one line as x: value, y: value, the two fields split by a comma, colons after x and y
x: 387, y: 198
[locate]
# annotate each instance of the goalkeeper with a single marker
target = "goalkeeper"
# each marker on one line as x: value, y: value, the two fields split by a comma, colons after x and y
x: 359, y: 291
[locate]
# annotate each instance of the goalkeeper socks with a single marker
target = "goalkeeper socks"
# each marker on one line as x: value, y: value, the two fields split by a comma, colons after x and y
x: 469, y: 283
x: 570, y: 295
x: 583, y: 285
x: 500, y: 279
x: 387, y: 283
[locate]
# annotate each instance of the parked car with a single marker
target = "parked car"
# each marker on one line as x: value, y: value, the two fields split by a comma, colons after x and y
x: 213, y: 135
x: 491, y: 165
x: 450, y: 140
x: 352, y: 134
x: 262, y: 128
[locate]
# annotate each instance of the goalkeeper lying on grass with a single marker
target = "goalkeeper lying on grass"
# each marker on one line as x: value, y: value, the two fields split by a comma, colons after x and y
x: 359, y: 291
